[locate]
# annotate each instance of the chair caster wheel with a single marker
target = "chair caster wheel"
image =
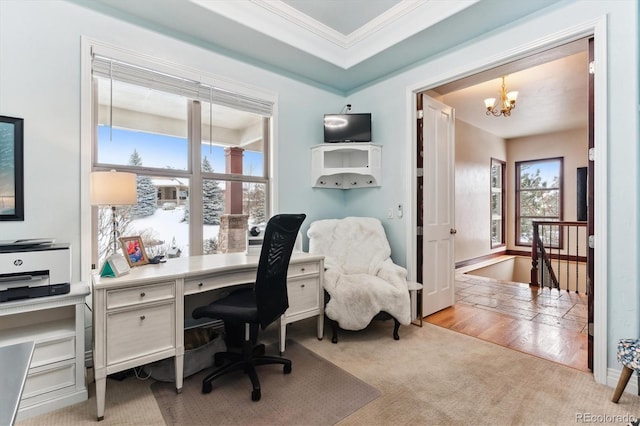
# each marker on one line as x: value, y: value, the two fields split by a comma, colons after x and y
x: 287, y: 369
x: 255, y: 395
x: 206, y: 387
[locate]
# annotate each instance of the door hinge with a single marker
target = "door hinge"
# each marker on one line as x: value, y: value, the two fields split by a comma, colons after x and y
x: 592, y: 154
x: 591, y: 241
x: 420, y: 114
x: 419, y: 230
x: 419, y: 172
x: 592, y: 67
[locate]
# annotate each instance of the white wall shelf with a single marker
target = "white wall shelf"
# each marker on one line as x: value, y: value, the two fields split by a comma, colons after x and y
x: 346, y: 165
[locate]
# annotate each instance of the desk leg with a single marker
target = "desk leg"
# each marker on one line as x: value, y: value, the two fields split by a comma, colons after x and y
x: 320, y: 326
x: 179, y: 364
x: 101, y: 388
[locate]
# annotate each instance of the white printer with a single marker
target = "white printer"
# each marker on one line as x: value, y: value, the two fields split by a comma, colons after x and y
x: 34, y: 268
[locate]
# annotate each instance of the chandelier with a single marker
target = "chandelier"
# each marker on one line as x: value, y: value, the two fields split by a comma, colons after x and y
x: 507, y: 103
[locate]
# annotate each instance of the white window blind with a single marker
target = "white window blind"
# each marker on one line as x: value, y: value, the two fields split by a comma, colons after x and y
x: 132, y: 74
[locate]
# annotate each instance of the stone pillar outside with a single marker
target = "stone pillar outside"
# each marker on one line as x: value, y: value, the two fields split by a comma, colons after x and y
x: 232, y: 236
x: 233, y: 194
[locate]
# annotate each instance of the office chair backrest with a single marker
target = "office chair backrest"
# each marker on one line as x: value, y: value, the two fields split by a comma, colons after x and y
x: 271, y: 279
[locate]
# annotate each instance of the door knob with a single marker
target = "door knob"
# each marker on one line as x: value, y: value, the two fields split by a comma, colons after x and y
x: 452, y: 231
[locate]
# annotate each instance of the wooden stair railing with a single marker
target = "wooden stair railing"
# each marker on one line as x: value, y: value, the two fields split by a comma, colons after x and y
x: 568, y: 252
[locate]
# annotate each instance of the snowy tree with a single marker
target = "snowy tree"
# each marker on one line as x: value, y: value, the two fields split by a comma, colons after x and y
x: 212, y: 198
x: 147, y: 193
x: 254, y: 203
x: 210, y: 246
x: 539, y: 200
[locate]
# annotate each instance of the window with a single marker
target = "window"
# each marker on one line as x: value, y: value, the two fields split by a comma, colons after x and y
x: 497, y: 202
x: 199, y: 152
x: 538, y: 197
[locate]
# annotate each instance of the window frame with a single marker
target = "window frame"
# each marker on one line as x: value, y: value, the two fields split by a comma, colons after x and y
x: 519, y: 190
x: 89, y: 123
x: 503, y: 192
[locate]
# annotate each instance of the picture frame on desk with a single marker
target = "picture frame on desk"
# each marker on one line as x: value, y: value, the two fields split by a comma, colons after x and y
x: 134, y: 251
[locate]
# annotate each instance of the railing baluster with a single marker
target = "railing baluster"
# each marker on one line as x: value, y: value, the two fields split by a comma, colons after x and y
x: 577, y: 258
x: 558, y: 234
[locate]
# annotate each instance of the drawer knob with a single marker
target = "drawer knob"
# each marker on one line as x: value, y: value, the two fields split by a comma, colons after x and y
x: 200, y: 284
x: 302, y: 286
x: 143, y: 294
x: 302, y: 269
x: 142, y: 317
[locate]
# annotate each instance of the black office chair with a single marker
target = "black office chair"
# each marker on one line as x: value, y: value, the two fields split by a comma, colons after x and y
x: 260, y: 305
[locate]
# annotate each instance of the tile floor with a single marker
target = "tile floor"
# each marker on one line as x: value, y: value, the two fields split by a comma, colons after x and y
x: 557, y: 308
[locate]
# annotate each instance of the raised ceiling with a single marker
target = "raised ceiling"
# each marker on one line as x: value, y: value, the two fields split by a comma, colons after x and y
x: 341, y: 45
x: 345, y: 45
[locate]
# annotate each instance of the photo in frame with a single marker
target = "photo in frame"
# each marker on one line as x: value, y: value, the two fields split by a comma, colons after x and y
x: 11, y: 168
x: 133, y: 250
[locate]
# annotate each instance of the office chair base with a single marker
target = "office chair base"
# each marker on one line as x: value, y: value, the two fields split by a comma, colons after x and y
x: 247, y: 362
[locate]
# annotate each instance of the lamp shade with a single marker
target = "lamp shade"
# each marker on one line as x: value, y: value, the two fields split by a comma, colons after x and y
x: 113, y: 188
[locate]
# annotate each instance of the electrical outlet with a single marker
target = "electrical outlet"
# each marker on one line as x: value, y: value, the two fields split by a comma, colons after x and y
x: 390, y: 214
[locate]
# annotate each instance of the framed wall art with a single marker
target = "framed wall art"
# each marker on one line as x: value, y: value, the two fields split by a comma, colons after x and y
x: 11, y: 168
x: 133, y: 250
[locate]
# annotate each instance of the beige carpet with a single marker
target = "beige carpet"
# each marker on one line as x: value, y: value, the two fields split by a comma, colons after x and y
x: 431, y: 376
x: 315, y: 393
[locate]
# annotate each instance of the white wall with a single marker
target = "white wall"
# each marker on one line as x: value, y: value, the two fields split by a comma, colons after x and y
x: 392, y: 98
x: 40, y: 82
x: 474, y: 150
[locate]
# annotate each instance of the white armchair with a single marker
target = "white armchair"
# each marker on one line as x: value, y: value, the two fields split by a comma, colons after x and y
x: 361, y: 280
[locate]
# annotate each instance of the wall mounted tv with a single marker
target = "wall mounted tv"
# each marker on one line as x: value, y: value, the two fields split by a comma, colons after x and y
x: 354, y: 127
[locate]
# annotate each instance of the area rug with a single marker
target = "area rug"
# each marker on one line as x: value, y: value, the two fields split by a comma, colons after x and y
x: 316, y: 392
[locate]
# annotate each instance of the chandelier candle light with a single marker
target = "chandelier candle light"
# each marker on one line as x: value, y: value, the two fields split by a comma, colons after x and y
x: 507, y: 103
x: 113, y: 189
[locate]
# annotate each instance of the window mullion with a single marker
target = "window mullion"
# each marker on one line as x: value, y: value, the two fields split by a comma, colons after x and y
x: 196, y: 214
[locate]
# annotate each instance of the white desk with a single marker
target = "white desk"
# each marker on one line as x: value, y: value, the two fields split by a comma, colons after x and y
x: 56, y: 325
x: 138, y: 318
x: 15, y: 360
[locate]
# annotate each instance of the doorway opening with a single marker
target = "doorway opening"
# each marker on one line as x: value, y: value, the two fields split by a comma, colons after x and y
x: 510, y: 140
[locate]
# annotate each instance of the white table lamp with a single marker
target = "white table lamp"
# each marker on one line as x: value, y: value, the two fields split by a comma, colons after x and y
x: 113, y: 189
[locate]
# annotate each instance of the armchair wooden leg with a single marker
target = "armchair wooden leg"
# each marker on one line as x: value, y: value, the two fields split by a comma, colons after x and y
x: 334, y: 330
x: 396, y: 327
x: 625, y: 375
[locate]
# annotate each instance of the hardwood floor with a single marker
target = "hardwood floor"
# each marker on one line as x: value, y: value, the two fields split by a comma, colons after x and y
x: 547, y: 323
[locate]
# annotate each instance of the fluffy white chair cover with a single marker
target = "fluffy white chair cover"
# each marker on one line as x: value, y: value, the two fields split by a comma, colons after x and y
x: 360, y: 276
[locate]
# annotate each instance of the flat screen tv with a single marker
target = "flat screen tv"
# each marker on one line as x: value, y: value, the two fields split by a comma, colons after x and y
x: 354, y: 127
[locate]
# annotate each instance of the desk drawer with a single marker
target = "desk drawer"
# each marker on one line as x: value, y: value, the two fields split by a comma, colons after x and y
x: 304, y: 295
x: 47, y: 352
x: 303, y: 269
x: 212, y: 282
x: 140, y: 294
x: 137, y: 332
x: 49, y: 379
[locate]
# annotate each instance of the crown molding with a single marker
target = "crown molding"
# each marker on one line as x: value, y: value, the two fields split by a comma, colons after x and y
x: 282, y: 22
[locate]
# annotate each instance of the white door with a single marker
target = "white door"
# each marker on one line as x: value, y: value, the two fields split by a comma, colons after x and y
x: 438, y: 206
